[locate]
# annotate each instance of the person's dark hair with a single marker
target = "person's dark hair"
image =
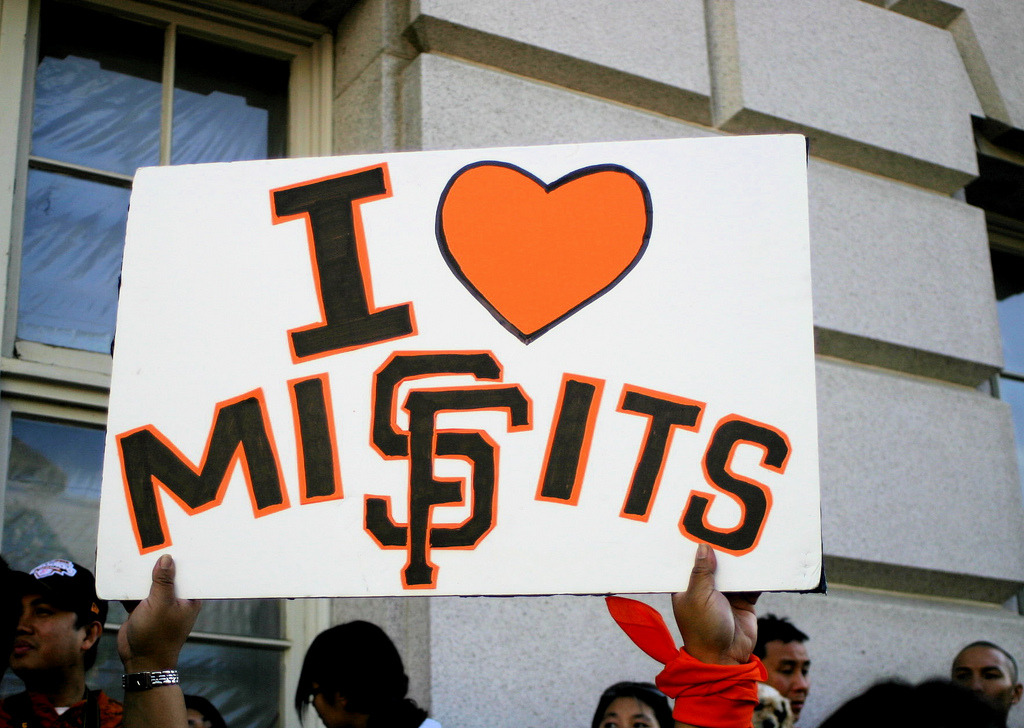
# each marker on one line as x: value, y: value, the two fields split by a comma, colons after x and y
x: 205, y: 708
x: 646, y: 693
x: 358, y: 661
x: 897, y: 704
x: 997, y: 648
x: 771, y: 628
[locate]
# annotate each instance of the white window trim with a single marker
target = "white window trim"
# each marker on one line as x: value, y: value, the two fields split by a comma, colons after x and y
x: 73, y: 386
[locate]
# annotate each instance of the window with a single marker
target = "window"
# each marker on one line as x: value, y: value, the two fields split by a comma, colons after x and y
x: 1008, y: 275
x: 96, y: 118
x: 53, y: 489
x: 91, y: 91
x: 999, y: 190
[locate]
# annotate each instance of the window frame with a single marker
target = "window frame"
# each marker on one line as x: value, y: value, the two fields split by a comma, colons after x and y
x: 72, y: 386
x: 306, y: 46
x: 1007, y: 236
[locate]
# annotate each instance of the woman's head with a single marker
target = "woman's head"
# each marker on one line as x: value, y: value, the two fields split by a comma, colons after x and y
x: 202, y: 714
x: 632, y: 705
x: 355, y: 665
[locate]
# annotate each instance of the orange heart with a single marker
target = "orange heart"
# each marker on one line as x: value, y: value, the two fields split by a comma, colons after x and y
x: 535, y: 254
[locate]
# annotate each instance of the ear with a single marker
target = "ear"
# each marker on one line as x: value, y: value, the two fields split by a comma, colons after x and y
x: 1018, y: 689
x: 93, y: 630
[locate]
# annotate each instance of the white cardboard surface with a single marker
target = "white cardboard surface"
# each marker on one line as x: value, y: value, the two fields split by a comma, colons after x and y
x: 715, y: 311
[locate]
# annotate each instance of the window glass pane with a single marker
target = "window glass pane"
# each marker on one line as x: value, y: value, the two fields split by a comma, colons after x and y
x: 53, y: 493
x: 243, y: 682
x: 252, y: 617
x: 237, y: 617
x: 97, y: 94
x: 1012, y: 392
x: 52, y: 507
x: 1008, y: 274
x: 229, y: 105
x: 51, y: 511
x: 70, y: 261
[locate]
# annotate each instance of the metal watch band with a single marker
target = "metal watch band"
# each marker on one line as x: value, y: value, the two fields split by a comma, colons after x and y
x: 136, y: 681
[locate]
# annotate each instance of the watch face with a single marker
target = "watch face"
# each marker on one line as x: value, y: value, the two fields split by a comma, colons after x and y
x: 137, y: 681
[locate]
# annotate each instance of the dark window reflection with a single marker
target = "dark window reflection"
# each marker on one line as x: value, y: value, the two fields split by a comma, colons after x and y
x: 1008, y: 274
x: 229, y: 105
x: 53, y: 493
x: 51, y: 510
x: 97, y: 93
x: 70, y: 261
x: 1012, y: 392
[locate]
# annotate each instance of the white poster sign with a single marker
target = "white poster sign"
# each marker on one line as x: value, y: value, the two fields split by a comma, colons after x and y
x: 493, y: 371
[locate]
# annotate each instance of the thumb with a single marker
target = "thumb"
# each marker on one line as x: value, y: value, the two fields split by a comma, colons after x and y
x: 702, y: 576
x: 162, y: 588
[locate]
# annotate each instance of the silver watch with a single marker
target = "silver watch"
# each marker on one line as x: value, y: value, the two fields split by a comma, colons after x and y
x: 137, y: 681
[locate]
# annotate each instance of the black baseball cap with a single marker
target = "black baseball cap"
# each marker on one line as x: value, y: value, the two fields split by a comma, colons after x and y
x: 68, y: 586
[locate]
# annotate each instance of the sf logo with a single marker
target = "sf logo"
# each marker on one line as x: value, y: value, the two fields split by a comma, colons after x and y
x: 422, y: 443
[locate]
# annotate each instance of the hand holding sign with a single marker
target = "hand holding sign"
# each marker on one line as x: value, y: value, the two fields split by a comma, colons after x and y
x: 713, y: 678
x: 157, y: 627
x: 717, y: 628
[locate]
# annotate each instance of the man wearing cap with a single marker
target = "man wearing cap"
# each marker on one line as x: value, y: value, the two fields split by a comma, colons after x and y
x: 54, y: 645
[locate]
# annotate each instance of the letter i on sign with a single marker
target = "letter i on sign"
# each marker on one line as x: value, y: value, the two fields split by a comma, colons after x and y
x: 331, y: 207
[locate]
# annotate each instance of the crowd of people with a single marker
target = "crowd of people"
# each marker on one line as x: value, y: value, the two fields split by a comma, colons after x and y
x: 734, y: 669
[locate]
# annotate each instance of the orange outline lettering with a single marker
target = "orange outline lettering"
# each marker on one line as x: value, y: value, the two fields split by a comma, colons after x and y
x: 745, y: 537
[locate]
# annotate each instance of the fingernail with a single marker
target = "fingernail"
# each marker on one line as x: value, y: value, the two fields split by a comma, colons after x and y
x: 702, y: 550
x: 165, y: 561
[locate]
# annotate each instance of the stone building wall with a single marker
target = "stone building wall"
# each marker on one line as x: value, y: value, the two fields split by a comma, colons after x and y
x: 923, y: 526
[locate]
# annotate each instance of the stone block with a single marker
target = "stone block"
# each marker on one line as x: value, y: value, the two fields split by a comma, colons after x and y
x: 918, y: 476
x: 498, y: 656
x: 366, y: 112
x: 531, y: 661
x: 987, y: 34
x: 370, y: 28
x: 449, y: 104
x: 872, y: 89
x: 651, y: 54
x: 902, y: 277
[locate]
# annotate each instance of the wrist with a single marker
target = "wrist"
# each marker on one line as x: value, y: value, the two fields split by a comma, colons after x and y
x: 150, y: 663
x: 713, y: 657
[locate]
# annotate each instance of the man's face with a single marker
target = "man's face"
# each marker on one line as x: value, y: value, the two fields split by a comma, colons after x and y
x: 787, y: 664
x: 47, y: 638
x: 988, y: 673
